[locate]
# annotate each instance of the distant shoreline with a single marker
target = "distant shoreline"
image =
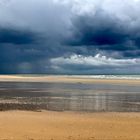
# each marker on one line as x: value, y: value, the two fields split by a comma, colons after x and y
x: 67, y: 79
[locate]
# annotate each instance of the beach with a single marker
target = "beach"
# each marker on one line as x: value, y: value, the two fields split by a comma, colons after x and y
x: 66, y: 79
x: 45, y: 125
x: 69, y: 108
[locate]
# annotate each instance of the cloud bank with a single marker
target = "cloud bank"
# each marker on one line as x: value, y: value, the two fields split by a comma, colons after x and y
x: 94, y: 64
x: 42, y: 36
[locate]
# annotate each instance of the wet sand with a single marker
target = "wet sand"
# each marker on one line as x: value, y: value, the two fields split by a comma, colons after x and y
x: 97, y: 97
x: 23, y: 125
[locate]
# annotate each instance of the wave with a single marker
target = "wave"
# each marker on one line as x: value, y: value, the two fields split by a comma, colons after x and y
x: 134, y: 77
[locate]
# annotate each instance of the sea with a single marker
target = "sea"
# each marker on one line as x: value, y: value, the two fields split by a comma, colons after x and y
x: 108, y: 76
x: 133, y: 77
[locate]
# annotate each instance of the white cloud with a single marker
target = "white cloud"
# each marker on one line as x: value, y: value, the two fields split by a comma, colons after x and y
x: 122, y: 9
x: 83, y: 8
x: 93, y: 61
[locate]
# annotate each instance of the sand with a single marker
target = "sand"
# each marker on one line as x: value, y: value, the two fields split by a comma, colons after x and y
x: 45, y: 125
x: 65, y: 79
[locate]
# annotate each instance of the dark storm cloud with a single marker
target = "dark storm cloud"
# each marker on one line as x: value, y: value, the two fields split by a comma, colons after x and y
x: 15, y: 36
x: 99, y: 29
x: 34, y: 33
x: 105, y: 32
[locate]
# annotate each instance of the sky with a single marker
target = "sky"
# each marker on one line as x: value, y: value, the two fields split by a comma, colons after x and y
x: 70, y: 36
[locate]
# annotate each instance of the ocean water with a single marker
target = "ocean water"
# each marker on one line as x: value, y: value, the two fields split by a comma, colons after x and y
x: 133, y: 77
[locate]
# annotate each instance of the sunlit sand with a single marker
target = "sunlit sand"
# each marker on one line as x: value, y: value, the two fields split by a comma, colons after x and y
x: 22, y: 125
x: 64, y: 79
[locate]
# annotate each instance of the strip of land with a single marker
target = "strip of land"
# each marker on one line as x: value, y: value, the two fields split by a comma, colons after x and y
x: 66, y: 79
x: 24, y: 125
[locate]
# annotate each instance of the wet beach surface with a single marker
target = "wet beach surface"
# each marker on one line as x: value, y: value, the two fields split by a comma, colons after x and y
x: 69, y: 97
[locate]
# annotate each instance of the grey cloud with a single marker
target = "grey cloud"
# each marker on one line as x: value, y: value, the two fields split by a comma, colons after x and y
x: 34, y: 32
x: 104, y: 32
x: 79, y: 63
x: 15, y: 36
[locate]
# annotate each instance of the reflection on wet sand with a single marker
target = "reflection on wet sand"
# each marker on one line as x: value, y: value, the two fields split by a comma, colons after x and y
x: 69, y: 97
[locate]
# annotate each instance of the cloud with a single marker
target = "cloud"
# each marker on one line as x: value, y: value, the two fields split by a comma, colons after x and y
x: 15, y: 36
x: 104, y: 31
x: 34, y: 32
x: 79, y: 63
x: 108, y: 26
x: 95, y: 30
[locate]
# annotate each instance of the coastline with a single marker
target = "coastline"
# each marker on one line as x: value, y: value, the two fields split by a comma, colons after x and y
x: 66, y: 79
